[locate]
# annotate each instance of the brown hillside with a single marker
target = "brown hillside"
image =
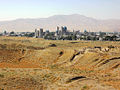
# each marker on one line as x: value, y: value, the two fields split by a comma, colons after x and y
x: 44, y: 64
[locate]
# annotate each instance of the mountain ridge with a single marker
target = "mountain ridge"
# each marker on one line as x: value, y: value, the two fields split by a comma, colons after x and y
x: 74, y: 21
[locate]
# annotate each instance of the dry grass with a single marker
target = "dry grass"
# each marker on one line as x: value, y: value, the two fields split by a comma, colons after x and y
x: 46, y: 64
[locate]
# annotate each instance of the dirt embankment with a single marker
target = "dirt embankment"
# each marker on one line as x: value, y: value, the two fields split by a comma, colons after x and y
x: 67, y: 64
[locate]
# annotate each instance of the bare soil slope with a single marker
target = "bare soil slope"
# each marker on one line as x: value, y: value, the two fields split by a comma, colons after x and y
x: 29, y: 63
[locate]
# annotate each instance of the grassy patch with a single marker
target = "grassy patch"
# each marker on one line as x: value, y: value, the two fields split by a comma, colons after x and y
x: 85, y: 88
x: 1, y: 76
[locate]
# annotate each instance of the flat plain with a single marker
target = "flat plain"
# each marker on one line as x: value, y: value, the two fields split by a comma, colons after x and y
x: 38, y: 64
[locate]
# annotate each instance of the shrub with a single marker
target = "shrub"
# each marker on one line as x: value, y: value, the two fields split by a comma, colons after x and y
x: 1, y: 75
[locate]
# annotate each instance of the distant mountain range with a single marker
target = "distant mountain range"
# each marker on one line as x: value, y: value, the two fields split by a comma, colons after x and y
x: 75, y: 21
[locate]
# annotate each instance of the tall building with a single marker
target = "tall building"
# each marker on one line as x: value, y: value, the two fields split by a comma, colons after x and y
x: 57, y: 28
x: 36, y: 33
x: 64, y: 30
x: 58, y: 31
x: 39, y: 33
x: 86, y: 32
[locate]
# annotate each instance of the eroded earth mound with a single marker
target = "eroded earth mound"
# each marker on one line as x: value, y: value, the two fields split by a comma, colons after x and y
x: 37, y: 64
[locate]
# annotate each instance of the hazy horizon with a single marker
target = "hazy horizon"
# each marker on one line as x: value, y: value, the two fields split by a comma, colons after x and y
x: 14, y: 9
x: 56, y: 15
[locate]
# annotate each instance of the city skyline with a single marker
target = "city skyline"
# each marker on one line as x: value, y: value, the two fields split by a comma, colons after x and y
x: 103, y: 9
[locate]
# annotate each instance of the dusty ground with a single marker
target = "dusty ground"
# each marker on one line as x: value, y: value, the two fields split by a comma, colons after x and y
x: 37, y: 64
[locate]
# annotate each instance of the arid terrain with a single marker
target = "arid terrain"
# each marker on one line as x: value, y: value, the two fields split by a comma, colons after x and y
x: 38, y: 64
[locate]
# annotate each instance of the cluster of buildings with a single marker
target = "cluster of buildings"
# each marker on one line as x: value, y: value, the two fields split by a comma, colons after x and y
x: 17, y: 34
x: 39, y: 33
x: 62, y: 33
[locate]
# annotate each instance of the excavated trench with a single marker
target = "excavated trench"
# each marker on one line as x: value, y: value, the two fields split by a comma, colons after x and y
x: 108, y: 60
x: 75, y: 79
x: 74, y: 55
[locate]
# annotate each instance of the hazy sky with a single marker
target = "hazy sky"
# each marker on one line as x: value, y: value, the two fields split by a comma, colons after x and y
x: 100, y: 9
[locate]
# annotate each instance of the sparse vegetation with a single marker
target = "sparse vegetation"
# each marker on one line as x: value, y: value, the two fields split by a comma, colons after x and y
x: 1, y: 75
x: 85, y: 88
x: 44, y: 64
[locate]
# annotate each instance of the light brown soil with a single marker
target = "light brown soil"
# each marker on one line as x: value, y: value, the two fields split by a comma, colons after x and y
x: 35, y: 64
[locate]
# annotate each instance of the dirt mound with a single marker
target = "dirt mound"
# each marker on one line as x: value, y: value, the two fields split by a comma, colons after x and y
x: 16, y: 55
x: 11, y: 56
